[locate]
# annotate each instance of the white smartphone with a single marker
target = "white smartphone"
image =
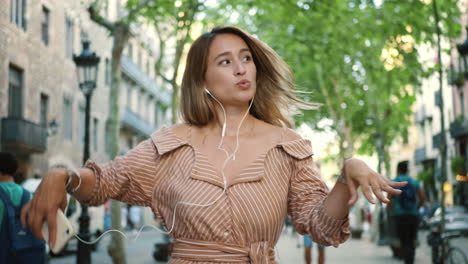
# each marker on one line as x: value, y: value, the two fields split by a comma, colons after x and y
x: 64, y: 232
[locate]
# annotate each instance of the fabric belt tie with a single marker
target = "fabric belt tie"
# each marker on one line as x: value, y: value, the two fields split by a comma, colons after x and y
x: 210, y: 251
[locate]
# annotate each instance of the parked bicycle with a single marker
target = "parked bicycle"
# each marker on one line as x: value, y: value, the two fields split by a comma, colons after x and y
x: 438, y: 242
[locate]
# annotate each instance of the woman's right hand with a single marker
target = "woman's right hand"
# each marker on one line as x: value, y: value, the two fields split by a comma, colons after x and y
x: 50, y: 196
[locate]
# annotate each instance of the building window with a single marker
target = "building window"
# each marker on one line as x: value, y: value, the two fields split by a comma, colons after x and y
x: 81, y: 125
x: 156, y: 115
x: 95, y: 133
x: 107, y: 73
x: 105, y: 8
x: 45, y: 25
x: 67, y: 119
x: 148, y: 109
x: 69, y: 30
x: 130, y: 51
x: 140, y: 58
x: 134, y: 100
x: 128, y: 96
x: 107, y: 140
x: 462, y: 102
x: 18, y: 13
x: 15, y: 92
x: 44, y: 109
x: 141, y: 103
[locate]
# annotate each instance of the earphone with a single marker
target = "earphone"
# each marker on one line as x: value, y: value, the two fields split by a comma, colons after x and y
x: 228, y: 158
x: 223, y: 131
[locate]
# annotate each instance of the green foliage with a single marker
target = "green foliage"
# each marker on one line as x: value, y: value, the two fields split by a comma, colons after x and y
x: 458, y: 165
x: 336, y: 49
x: 460, y: 118
x: 426, y: 176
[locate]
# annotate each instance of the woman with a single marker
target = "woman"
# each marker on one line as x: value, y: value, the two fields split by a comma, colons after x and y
x: 224, y: 180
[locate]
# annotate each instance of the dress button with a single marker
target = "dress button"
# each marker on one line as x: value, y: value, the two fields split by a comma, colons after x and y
x: 226, y: 234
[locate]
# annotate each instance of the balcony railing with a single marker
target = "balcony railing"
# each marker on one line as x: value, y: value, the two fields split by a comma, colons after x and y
x: 136, y: 123
x: 420, y: 155
x: 459, y: 128
x: 23, y: 136
x: 143, y: 80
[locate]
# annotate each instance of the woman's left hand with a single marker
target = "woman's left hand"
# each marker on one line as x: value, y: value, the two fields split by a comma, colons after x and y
x: 357, y: 174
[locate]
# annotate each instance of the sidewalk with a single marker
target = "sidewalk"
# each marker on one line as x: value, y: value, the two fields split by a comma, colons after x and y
x: 360, y: 251
x: 353, y: 251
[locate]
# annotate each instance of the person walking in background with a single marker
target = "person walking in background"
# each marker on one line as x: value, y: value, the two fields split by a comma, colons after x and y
x: 405, y: 209
x: 18, y: 245
x: 135, y: 217
x: 308, y: 244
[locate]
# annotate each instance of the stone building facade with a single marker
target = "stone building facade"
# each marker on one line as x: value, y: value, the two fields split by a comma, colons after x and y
x: 39, y: 88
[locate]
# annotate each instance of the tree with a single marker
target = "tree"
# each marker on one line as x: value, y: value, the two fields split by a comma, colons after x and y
x: 173, y: 20
x: 120, y: 32
x: 176, y: 24
x: 359, y: 58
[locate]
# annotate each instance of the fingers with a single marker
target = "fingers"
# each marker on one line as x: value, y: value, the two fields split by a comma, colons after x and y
x: 52, y: 226
x: 24, y: 212
x: 35, y: 221
x: 63, y: 203
x: 377, y: 189
x: 352, y: 192
x: 397, y: 184
x: 367, y: 191
x: 388, y: 188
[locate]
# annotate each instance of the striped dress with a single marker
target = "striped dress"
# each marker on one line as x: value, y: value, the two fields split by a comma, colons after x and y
x: 244, y: 225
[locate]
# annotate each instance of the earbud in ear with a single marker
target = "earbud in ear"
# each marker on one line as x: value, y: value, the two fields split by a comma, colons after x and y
x: 207, y: 91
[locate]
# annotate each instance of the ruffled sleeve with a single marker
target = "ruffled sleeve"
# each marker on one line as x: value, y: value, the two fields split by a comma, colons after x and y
x: 307, y: 196
x: 131, y: 178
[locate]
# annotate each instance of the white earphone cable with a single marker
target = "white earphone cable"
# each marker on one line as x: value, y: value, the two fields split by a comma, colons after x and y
x: 228, y: 157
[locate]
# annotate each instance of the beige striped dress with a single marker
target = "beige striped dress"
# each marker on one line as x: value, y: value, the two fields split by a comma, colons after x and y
x: 244, y: 225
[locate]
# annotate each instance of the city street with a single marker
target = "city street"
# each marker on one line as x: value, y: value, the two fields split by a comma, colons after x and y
x: 353, y: 251
x: 148, y: 103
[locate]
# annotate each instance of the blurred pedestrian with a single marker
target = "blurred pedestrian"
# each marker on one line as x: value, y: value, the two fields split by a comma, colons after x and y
x: 135, y: 217
x: 107, y: 216
x: 224, y: 180
x: 18, y: 245
x: 406, y: 211
x: 124, y: 216
x: 308, y: 245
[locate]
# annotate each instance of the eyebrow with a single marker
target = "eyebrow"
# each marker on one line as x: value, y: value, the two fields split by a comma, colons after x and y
x: 228, y: 52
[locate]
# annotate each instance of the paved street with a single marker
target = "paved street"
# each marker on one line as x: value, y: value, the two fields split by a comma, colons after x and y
x: 353, y: 251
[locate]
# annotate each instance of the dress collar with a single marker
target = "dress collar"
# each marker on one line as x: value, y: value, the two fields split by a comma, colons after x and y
x: 166, y: 141
x: 298, y: 149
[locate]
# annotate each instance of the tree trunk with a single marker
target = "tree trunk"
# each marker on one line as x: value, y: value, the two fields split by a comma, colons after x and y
x: 175, y: 102
x: 121, y: 35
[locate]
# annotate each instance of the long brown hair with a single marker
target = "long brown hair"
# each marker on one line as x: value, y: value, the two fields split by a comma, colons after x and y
x: 274, y: 98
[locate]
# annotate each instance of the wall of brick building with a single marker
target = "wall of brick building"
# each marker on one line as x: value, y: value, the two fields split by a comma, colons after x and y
x: 47, y: 69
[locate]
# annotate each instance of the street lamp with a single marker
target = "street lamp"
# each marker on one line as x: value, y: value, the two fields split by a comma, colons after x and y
x: 463, y: 58
x: 87, y: 69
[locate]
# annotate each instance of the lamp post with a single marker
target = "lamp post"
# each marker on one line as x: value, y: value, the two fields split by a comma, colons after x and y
x: 87, y: 69
x: 443, y: 141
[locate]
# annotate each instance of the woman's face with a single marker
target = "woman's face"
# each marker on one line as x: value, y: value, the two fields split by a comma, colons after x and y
x: 231, y: 73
